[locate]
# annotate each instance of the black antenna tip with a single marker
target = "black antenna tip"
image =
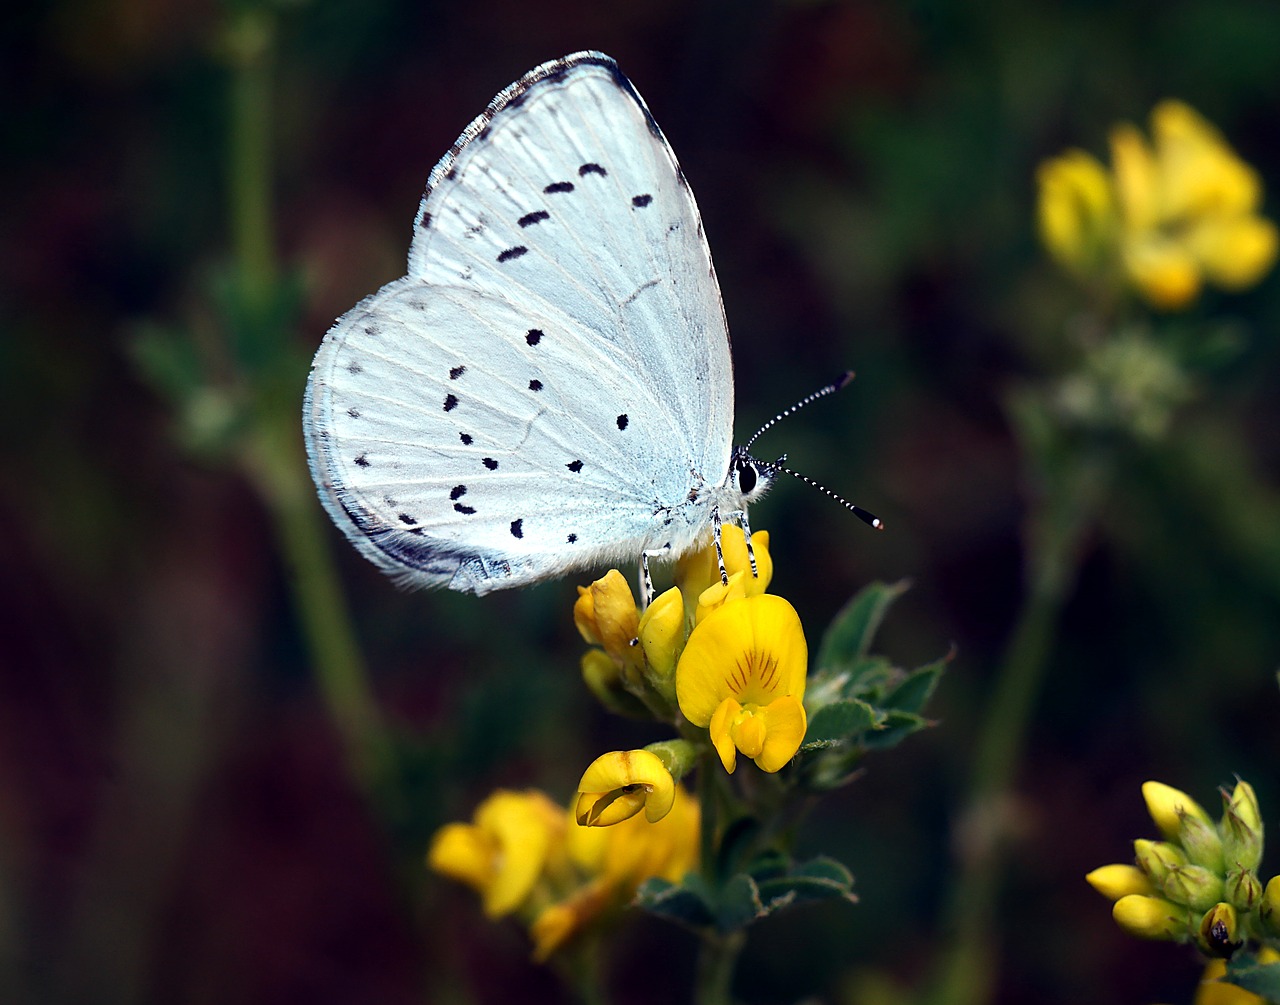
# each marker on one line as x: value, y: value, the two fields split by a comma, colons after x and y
x: 844, y: 380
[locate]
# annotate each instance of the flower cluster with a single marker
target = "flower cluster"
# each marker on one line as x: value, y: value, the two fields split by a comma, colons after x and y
x: 1171, y: 215
x: 729, y: 657
x: 527, y: 857
x: 1200, y: 883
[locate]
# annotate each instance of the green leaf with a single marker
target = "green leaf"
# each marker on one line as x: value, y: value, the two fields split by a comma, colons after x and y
x: 821, y: 878
x: 839, y: 721
x: 740, y: 903
x: 685, y: 903
x: 769, y: 864
x: 1260, y: 978
x: 849, y: 635
x: 914, y: 690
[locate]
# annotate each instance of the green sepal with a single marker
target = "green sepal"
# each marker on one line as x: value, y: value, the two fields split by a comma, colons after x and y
x: 740, y: 903
x: 849, y: 636
x: 897, y: 726
x: 821, y: 878
x: 1261, y: 978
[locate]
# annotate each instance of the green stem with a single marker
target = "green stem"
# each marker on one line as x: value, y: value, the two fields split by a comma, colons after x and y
x: 967, y: 974
x: 717, y: 958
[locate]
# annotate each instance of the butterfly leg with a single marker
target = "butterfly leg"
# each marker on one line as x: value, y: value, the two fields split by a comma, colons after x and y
x: 715, y: 537
x: 740, y: 518
x: 646, y: 581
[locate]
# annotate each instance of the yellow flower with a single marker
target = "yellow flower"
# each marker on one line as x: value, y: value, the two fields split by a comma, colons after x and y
x: 619, y: 859
x: 620, y: 784
x: 1174, y: 213
x: 661, y: 632
x: 742, y: 674
x: 1076, y: 210
x: 698, y: 570
x: 503, y: 853
x: 1188, y: 208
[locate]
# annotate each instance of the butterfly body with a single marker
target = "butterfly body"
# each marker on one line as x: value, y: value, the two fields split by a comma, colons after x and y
x: 550, y: 387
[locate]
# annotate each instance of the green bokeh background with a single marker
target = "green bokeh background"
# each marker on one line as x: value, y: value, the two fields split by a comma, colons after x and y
x: 176, y: 820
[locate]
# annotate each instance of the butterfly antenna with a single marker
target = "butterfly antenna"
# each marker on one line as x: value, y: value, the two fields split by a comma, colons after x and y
x: 840, y: 382
x: 870, y: 519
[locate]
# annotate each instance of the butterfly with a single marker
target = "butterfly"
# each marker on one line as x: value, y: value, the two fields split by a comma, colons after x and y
x: 550, y: 388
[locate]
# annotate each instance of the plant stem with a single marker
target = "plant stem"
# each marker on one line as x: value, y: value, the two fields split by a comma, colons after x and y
x: 717, y: 959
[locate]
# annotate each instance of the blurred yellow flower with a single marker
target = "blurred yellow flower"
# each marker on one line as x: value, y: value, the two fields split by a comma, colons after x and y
x: 742, y: 675
x: 1175, y: 213
x: 503, y: 853
x: 1213, y: 991
x: 618, y: 859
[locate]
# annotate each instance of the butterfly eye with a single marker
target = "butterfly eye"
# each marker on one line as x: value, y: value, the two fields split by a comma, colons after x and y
x: 746, y: 478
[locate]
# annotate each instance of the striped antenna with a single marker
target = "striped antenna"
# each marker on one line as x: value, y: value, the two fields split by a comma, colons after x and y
x: 870, y: 519
x: 840, y: 382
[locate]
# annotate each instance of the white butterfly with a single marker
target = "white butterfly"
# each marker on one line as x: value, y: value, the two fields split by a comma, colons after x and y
x: 550, y: 387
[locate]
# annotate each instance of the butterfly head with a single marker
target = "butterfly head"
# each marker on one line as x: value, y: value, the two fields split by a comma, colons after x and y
x: 750, y: 477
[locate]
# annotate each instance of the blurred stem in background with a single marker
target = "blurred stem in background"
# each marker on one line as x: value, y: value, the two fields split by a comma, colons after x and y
x: 271, y: 448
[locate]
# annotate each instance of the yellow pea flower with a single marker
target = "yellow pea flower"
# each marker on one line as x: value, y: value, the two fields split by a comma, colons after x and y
x: 620, y: 784
x: 742, y: 675
x: 1076, y: 212
x: 504, y: 851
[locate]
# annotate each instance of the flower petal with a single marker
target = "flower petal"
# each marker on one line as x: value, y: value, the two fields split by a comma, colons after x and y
x: 785, y: 724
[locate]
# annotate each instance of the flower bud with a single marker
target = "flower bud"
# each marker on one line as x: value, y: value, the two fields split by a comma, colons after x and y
x: 1269, y: 909
x: 1168, y: 806
x: 1157, y: 857
x: 662, y: 635
x: 1241, y: 827
x: 1220, y: 931
x: 1151, y: 917
x: 1201, y: 842
x: 1244, y: 889
x: 1116, y: 881
x: 1194, y: 886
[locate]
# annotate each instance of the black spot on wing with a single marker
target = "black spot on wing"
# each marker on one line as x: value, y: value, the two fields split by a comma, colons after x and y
x: 464, y: 510
x: 529, y: 219
x: 535, y: 385
x: 574, y: 466
x: 490, y: 463
x: 622, y: 421
x: 510, y: 253
x: 572, y: 538
x: 457, y: 492
x: 641, y: 201
x: 450, y: 402
x: 466, y: 439
x: 354, y: 367
x: 425, y: 222
x: 406, y: 518
x: 587, y: 169
x: 457, y: 372
x: 363, y: 462
x: 353, y: 412
x: 517, y: 528
x: 533, y: 336
x: 558, y: 187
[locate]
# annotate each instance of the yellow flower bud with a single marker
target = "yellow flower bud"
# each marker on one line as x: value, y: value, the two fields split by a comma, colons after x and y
x: 1116, y: 881
x: 1241, y: 828
x: 661, y: 632
x: 1194, y: 886
x: 606, y: 615
x: 1201, y: 842
x: 1157, y: 858
x: 1243, y: 887
x: 1151, y: 917
x: 1167, y: 807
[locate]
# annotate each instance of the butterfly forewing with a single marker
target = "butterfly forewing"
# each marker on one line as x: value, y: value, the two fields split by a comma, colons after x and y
x: 553, y: 376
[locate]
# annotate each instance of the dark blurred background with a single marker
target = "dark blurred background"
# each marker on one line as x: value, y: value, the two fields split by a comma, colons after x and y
x: 177, y: 820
